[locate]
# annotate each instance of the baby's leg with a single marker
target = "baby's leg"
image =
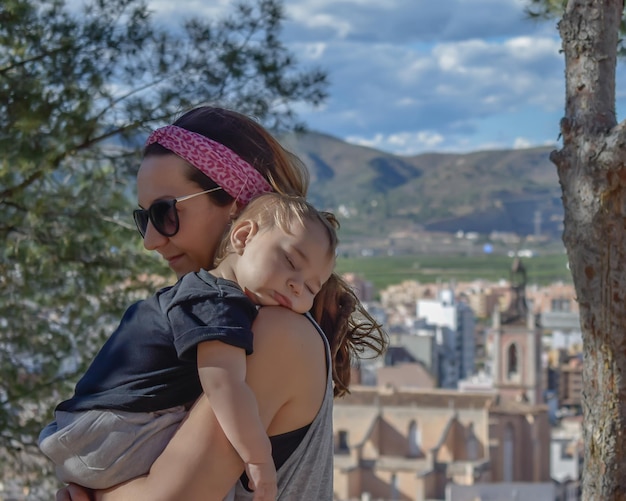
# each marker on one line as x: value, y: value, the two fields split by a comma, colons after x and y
x: 102, y: 448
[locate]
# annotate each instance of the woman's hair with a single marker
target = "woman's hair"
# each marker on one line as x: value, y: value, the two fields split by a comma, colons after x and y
x: 351, y: 331
x: 272, y: 210
x: 248, y: 139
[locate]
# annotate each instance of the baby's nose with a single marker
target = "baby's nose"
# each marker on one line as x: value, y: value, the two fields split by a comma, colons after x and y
x: 296, y: 287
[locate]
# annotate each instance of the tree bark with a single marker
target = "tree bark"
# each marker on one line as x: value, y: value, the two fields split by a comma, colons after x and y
x: 592, y: 173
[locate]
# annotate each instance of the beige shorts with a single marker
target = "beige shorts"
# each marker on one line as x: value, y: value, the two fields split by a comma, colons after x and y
x: 101, y: 448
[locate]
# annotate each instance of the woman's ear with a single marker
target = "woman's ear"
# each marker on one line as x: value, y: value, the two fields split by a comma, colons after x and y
x: 242, y: 233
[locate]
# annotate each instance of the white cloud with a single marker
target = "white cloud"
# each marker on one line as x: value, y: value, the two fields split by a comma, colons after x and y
x: 339, y: 27
x: 315, y: 51
x: 521, y: 143
x: 405, y: 21
x: 404, y: 143
x: 398, y: 88
x: 417, y: 75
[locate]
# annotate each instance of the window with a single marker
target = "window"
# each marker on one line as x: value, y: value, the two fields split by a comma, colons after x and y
x: 561, y: 304
x: 342, y: 442
x: 512, y: 361
x: 471, y: 443
x: 415, y: 440
x: 508, y: 453
x: 394, y: 487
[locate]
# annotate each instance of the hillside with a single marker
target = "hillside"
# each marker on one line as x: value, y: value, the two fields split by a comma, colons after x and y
x: 377, y: 193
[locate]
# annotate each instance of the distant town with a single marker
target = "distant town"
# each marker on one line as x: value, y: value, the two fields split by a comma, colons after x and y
x: 477, y: 397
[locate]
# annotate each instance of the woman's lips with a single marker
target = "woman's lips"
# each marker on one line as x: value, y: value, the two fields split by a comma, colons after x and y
x: 174, y: 259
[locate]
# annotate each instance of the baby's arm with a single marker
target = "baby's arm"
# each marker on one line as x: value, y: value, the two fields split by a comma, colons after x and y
x: 222, y: 371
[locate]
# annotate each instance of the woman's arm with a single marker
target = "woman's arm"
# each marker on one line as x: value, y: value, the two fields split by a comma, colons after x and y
x: 287, y: 373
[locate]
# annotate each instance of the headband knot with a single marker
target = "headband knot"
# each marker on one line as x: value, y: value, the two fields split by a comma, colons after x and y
x: 231, y: 172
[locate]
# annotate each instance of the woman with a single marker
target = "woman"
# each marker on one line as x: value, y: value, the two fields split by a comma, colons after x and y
x: 292, y: 370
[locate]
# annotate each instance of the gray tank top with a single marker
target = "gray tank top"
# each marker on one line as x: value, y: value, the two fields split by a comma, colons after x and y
x: 307, y: 475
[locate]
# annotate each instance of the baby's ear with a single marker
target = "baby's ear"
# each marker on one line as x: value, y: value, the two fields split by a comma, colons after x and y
x: 242, y: 233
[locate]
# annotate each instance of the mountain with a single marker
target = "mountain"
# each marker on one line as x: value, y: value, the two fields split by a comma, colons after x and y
x: 376, y: 193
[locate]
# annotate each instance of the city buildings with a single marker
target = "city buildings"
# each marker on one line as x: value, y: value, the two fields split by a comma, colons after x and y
x: 470, y: 402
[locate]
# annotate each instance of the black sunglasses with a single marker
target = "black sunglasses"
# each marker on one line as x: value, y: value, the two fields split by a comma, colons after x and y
x: 163, y: 215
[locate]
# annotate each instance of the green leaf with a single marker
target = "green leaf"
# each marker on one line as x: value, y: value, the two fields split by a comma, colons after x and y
x: 77, y: 87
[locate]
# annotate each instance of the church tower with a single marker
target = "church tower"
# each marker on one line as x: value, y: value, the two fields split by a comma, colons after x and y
x: 516, y: 336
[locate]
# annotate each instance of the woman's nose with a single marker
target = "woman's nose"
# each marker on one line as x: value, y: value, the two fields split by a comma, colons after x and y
x: 153, y: 239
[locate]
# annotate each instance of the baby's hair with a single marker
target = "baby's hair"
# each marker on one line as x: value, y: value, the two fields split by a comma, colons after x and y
x: 278, y: 210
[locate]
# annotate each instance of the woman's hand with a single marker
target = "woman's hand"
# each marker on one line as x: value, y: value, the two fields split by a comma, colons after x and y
x: 73, y: 492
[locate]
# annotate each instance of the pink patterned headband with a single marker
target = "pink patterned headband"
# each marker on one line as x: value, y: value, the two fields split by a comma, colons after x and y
x: 231, y: 172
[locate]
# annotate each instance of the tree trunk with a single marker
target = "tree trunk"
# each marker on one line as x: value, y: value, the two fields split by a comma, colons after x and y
x: 592, y: 172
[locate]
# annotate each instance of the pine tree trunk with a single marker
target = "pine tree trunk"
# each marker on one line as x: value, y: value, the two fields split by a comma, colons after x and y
x: 592, y: 172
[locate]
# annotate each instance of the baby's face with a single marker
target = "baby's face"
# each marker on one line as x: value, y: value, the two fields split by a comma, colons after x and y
x: 286, y: 268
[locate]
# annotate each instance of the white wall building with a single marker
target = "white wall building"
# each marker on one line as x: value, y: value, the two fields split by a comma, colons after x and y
x: 455, y: 335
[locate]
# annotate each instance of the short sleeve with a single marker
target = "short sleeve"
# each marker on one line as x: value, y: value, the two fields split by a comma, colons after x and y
x: 215, y: 310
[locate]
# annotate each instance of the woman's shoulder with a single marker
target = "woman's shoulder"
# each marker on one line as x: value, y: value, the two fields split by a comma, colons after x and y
x: 287, y: 369
x: 285, y: 329
x: 281, y: 318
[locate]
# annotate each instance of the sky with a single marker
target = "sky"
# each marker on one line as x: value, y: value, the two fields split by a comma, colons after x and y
x: 415, y: 76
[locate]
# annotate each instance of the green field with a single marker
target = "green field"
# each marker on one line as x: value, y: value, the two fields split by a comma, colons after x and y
x: 387, y: 270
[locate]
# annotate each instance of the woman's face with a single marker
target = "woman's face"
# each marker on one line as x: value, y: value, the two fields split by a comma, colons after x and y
x: 202, y: 223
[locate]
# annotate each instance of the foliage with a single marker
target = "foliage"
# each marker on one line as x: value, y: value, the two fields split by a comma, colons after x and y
x: 76, y: 86
x: 545, y: 9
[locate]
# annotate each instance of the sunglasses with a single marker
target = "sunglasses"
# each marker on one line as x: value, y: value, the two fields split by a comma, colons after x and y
x: 163, y: 215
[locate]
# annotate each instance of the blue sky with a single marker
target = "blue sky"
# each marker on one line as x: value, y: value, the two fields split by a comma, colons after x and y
x: 411, y: 76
